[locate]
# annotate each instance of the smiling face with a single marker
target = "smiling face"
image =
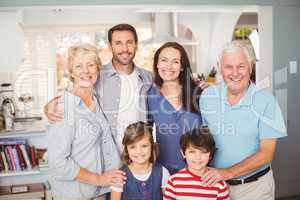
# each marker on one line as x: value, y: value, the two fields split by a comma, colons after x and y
x: 123, y: 47
x: 169, y: 64
x: 84, y: 70
x: 236, y: 71
x: 196, y: 159
x: 140, y: 151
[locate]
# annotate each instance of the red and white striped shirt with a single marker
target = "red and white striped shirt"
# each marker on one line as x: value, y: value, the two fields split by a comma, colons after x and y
x: 187, y: 186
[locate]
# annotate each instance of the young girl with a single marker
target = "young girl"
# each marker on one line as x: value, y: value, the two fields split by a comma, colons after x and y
x: 145, y: 177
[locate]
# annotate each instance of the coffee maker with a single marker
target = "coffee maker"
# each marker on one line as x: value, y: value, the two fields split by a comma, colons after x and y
x: 8, y: 107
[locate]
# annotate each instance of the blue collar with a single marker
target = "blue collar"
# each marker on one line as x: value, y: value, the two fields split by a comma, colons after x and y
x: 78, y: 101
x: 246, y: 100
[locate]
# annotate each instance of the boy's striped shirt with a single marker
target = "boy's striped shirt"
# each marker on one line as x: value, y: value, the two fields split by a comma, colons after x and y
x: 187, y: 186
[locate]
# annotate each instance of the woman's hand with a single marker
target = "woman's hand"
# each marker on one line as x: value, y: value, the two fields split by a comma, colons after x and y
x: 51, y: 111
x: 112, y: 178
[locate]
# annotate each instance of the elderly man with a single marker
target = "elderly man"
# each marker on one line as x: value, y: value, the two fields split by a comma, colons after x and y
x: 245, y: 123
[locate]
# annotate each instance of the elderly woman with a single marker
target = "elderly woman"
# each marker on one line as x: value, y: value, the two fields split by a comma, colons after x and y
x: 82, y: 153
x: 245, y: 123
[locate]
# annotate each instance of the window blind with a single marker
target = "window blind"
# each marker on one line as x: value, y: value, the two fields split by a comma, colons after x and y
x: 36, y: 75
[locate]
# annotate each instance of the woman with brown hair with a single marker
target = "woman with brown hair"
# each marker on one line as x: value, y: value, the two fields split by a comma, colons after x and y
x: 172, y: 102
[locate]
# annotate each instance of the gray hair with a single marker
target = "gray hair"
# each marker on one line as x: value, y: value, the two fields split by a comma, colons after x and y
x: 236, y: 45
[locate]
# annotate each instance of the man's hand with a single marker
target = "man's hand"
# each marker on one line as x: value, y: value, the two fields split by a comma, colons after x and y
x: 214, y: 175
x: 203, y: 85
x: 52, y: 112
x: 262, y: 157
x: 112, y: 178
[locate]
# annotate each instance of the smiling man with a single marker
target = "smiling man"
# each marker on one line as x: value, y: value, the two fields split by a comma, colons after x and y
x: 246, y: 149
x: 122, y: 85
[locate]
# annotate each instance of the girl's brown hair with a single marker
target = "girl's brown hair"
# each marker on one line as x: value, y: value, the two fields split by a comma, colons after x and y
x: 134, y: 133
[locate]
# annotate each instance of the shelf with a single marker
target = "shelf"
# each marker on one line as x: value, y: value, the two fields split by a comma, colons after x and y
x: 22, y: 134
x: 25, y: 129
x: 20, y: 173
x: 23, y: 172
x: 32, y: 191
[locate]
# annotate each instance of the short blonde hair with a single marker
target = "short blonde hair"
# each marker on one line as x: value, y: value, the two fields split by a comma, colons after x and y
x: 236, y: 45
x: 82, y: 49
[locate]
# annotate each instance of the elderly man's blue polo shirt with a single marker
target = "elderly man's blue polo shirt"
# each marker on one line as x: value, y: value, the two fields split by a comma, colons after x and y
x: 238, y: 129
x: 170, y: 125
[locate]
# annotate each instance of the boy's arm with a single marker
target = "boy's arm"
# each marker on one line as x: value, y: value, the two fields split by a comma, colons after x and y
x: 169, y: 193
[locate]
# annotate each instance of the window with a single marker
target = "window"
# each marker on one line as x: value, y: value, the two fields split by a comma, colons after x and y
x: 63, y: 40
x: 98, y: 37
x: 43, y: 73
x: 35, y: 77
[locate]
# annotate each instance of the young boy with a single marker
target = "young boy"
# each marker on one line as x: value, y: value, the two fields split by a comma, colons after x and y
x: 198, y: 148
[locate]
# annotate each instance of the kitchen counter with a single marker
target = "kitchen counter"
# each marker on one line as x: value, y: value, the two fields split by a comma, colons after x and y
x: 25, y: 129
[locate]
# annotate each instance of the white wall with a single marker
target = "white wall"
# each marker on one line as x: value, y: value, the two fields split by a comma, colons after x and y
x: 36, y: 17
x: 11, y: 40
x: 286, y: 48
x: 264, y: 75
x: 212, y: 30
x: 200, y: 24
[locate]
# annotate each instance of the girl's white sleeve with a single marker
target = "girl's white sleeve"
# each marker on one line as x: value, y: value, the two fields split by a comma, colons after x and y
x: 116, y: 189
x: 165, y: 177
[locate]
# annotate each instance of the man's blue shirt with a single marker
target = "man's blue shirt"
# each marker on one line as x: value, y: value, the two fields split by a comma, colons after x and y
x: 238, y: 129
